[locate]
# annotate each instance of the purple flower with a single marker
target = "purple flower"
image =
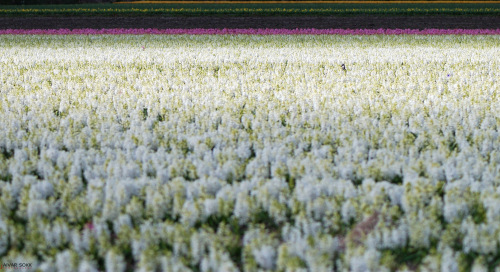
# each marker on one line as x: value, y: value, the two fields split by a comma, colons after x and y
x: 89, y: 226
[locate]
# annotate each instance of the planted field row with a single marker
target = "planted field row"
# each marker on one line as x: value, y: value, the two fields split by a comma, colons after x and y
x: 251, y: 9
x: 314, y: 2
x: 227, y: 153
x: 453, y: 24
x: 122, y: 31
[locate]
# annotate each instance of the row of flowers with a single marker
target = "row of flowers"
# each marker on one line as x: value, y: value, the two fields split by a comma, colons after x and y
x: 231, y: 153
x: 251, y: 11
x: 226, y: 31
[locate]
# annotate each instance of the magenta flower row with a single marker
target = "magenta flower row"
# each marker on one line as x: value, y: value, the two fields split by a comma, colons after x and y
x: 141, y: 31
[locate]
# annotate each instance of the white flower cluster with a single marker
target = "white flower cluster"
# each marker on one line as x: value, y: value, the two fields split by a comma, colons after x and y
x: 255, y: 153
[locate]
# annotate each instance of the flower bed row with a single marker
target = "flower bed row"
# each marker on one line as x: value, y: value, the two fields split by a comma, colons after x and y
x: 253, y: 9
x: 250, y: 153
x: 122, y: 31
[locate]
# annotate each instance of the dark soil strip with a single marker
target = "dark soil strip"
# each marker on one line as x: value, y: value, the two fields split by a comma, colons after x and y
x: 286, y: 22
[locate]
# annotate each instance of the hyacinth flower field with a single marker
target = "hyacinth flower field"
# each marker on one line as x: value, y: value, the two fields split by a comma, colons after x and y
x: 296, y: 152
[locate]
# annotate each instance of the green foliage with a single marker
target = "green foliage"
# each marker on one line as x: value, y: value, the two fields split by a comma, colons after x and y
x: 409, y: 256
x: 478, y: 212
x: 72, y: 8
